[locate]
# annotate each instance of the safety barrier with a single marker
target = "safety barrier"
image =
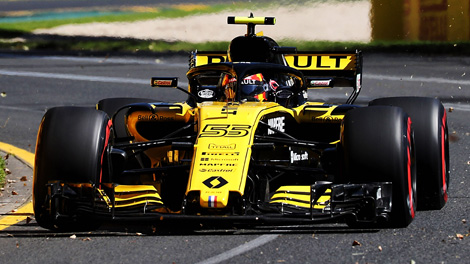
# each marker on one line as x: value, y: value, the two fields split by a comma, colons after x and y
x: 435, y: 20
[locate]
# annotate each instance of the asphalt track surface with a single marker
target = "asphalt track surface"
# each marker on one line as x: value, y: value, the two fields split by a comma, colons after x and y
x: 30, y: 84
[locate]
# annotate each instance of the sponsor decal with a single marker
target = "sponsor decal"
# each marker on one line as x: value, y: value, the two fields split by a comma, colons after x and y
x: 320, y: 83
x: 212, y: 201
x: 358, y: 82
x: 215, y: 59
x: 218, y: 164
x: 276, y: 123
x: 152, y: 117
x: 220, y: 170
x: 223, y: 159
x: 202, y: 59
x: 206, y: 93
x: 222, y: 147
x: 215, y: 182
x: 248, y: 81
x: 166, y: 118
x: 162, y: 82
x: 228, y: 82
x: 253, y: 79
x: 217, y: 170
x: 325, y: 62
x: 220, y: 153
x: 294, y: 157
x: 327, y: 119
x: 220, y: 130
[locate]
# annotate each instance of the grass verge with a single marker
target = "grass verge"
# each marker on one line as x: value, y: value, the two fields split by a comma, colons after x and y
x: 2, y: 172
x: 134, y: 46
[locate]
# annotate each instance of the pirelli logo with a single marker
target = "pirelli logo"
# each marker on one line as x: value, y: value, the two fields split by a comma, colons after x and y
x: 322, y: 61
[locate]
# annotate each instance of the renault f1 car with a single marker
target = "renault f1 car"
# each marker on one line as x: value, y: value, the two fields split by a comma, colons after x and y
x: 246, y: 147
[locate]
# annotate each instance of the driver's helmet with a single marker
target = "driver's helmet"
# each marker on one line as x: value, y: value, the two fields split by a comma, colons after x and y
x: 254, y: 88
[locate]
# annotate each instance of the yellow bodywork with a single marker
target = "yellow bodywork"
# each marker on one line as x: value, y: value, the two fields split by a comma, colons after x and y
x: 131, y: 195
x: 322, y: 61
x: 179, y: 113
x: 223, y: 149
x: 299, y: 196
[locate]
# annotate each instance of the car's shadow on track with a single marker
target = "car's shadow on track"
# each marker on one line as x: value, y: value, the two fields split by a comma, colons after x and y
x: 31, y: 229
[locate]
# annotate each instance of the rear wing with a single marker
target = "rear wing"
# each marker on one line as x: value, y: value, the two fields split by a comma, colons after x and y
x: 331, y: 69
x: 341, y: 69
x: 321, y: 69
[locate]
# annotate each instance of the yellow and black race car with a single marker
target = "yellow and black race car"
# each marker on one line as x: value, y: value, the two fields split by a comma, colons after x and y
x: 246, y: 147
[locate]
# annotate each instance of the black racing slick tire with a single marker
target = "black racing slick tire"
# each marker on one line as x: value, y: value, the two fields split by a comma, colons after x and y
x: 377, y: 146
x: 432, y: 147
x: 71, y: 147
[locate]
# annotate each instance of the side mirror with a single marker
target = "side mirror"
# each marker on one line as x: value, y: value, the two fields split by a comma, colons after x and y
x: 170, y: 82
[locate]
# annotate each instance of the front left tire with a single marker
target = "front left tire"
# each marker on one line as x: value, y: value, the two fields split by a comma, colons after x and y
x: 377, y: 146
x: 432, y: 147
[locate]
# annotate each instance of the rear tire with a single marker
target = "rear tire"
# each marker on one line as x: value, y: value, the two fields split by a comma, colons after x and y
x: 377, y: 146
x: 71, y: 147
x: 432, y: 147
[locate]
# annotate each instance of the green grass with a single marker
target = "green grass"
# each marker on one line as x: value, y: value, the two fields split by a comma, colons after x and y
x: 72, y: 44
x: 2, y: 172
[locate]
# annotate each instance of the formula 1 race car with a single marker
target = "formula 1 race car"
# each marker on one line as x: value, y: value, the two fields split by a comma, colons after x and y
x: 246, y: 147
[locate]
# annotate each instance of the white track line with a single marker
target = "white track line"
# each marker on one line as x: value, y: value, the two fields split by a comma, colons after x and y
x: 102, y: 60
x: 257, y: 242
x: 90, y: 78
x: 416, y: 79
x: 74, y: 77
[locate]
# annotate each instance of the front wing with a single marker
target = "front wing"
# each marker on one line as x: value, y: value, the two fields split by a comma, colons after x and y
x: 318, y: 203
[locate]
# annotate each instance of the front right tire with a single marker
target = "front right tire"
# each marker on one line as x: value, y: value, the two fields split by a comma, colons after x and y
x: 71, y: 147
